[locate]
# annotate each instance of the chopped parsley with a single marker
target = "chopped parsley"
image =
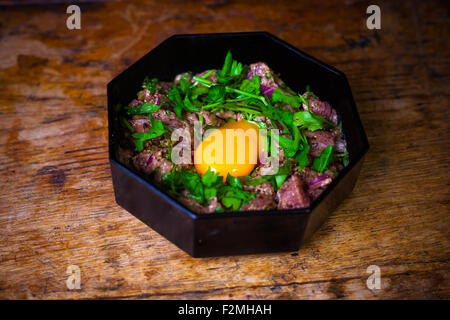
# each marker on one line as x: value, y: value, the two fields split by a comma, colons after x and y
x: 157, y: 129
x: 324, y: 160
x: 201, y: 189
x: 146, y: 107
x: 285, y: 110
x: 150, y: 84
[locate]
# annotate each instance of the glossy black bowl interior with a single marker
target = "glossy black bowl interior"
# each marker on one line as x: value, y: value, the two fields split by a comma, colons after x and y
x: 238, y: 232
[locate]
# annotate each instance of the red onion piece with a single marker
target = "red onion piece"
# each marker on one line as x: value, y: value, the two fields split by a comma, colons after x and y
x: 166, y: 107
x: 266, y: 90
x: 158, y: 100
x: 316, y: 182
x: 149, y: 161
x: 279, y: 125
x: 135, y: 103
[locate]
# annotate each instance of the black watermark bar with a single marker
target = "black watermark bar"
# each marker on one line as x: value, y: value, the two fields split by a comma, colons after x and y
x: 216, y: 309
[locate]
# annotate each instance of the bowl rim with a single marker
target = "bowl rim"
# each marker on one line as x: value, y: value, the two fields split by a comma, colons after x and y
x: 352, y: 162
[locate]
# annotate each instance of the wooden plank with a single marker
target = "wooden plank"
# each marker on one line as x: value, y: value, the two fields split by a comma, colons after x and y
x: 57, y: 208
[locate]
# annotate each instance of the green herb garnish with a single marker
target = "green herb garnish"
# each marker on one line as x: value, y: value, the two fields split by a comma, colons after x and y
x: 230, y: 69
x: 150, y: 84
x: 234, y: 182
x: 233, y: 197
x: 278, y: 95
x: 201, y: 189
x: 216, y: 94
x: 157, y: 129
x: 301, y: 158
x: 252, y: 86
x: 324, y: 160
x: 175, y: 97
x: 232, y: 92
x: 188, y: 106
x: 146, y: 107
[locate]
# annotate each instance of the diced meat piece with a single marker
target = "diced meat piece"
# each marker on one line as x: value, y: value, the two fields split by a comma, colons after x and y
x: 213, y: 204
x: 124, y: 156
x: 212, y: 77
x: 315, y: 193
x: 226, y: 114
x: 135, y: 102
x: 186, y: 75
x: 144, y: 161
x: 170, y: 119
x: 316, y: 182
x: 260, y: 119
x: 158, y: 143
x: 335, y: 167
x: 311, y: 177
x: 292, y: 194
x: 264, y: 188
x: 319, y: 140
x: 165, y: 166
x: 191, y: 117
x: 151, y: 97
x: 193, y: 205
x: 261, y: 69
x: 267, y: 166
x: 261, y: 202
x: 271, y: 125
x: 308, y: 175
x: 322, y: 108
x: 164, y: 86
x: 340, y: 145
x: 211, y: 119
x: 316, y: 187
x: 339, y: 142
x: 140, y: 125
x: 208, y: 117
x: 321, y: 182
x: 147, y: 162
x: 190, y: 203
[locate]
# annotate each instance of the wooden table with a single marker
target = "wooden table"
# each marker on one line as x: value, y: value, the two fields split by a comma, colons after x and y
x: 57, y: 205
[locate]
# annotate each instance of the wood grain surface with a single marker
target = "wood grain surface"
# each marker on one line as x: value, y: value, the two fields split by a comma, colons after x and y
x: 57, y: 204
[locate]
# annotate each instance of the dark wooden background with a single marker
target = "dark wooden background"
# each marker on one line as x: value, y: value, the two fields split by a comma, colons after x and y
x: 57, y: 206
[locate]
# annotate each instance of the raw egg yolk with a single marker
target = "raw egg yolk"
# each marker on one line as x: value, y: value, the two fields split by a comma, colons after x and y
x: 231, y: 149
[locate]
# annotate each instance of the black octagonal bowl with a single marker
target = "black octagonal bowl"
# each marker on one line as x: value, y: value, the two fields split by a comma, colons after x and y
x: 203, y: 235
